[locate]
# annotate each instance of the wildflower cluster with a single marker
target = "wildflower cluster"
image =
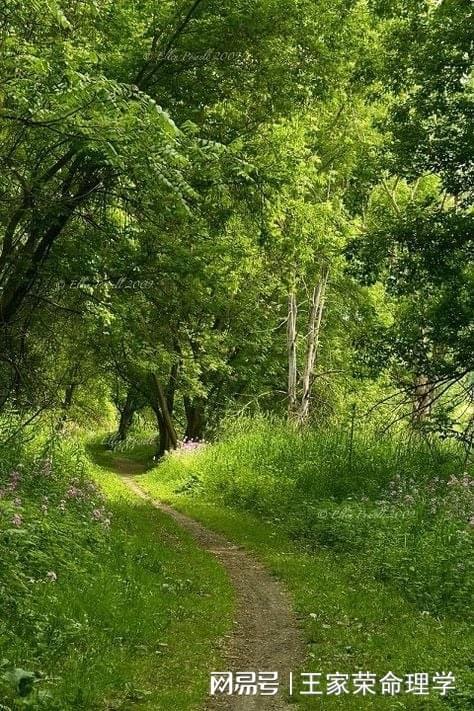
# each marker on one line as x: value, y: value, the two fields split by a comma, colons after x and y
x: 453, y: 498
x: 189, y: 446
x: 78, y: 493
x: 42, y: 499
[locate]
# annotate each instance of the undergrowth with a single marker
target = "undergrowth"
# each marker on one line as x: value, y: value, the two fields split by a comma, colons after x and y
x: 405, y: 506
x: 98, y: 590
x: 373, y: 537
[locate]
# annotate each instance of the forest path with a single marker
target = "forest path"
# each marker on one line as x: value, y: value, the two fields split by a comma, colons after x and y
x: 265, y: 636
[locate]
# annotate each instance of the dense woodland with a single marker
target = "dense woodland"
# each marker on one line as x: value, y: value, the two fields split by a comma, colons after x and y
x: 181, y: 183
x: 237, y: 221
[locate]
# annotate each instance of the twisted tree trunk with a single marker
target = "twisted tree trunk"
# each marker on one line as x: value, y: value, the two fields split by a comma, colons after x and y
x: 159, y: 403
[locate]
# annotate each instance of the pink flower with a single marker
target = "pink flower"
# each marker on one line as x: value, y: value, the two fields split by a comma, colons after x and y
x: 189, y: 445
x: 17, y: 520
x: 97, y: 514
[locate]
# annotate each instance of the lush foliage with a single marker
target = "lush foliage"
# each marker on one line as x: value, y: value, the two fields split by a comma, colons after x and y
x: 405, y: 507
x: 374, y: 539
x: 78, y: 629
x: 171, y: 176
x: 217, y: 208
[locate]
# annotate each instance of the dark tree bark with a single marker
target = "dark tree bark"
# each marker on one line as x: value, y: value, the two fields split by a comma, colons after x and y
x: 171, y: 387
x: 133, y: 402
x: 164, y: 441
x: 195, y: 417
x: 66, y: 405
x: 127, y: 414
x: 160, y: 401
x: 23, y: 266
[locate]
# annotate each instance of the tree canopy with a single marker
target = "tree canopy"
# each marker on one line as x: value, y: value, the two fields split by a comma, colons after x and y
x: 212, y: 206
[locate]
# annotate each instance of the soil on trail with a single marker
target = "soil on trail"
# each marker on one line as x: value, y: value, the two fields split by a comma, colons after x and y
x: 265, y: 636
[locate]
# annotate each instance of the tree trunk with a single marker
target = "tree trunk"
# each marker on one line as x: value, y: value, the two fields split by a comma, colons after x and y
x: 422, y: 399
x: 164, y: 442
x: 195, y: 418
x: 291, y: 343
x: 66, y: 406
x: 127, y: 413
x: 159, y: 403
x: 314, y: 327
x: 171, y: 387
x: 29, y: 258
x: 133, y: 402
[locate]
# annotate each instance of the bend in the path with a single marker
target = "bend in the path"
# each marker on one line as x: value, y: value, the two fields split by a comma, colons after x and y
x: 265, y: 635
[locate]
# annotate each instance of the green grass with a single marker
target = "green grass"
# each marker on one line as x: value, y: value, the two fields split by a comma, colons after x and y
x: 142, y: 454
x: 183, y: 614
x: 353, y: 620
x: 402, y: 505
x: 135, y: 616
x: 133, y: 619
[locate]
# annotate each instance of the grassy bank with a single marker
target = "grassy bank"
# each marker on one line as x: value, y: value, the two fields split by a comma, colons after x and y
x: 372, y: 538
x: 100, y: 593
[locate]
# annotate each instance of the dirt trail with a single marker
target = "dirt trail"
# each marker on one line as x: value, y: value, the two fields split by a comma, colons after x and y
x: 265, y: 636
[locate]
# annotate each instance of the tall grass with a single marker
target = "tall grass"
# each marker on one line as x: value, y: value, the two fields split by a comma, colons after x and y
x: 97, y: 590
x: 402, y: 505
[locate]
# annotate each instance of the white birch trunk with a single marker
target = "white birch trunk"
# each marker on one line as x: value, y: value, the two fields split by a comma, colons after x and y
x: 314, y: 328
x: 292, y: 364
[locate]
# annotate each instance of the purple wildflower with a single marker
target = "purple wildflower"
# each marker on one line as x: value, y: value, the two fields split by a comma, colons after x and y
x: 189, y: 445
